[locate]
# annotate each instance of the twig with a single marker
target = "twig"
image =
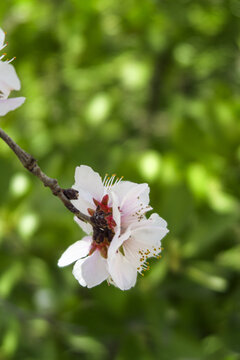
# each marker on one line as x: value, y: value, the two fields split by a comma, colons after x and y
x: 65, y: 195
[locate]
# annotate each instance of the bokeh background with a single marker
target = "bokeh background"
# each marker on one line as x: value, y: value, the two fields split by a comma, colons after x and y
x: 149, y: 90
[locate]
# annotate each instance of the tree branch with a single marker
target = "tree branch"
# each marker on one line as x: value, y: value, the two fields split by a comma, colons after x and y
x: 65, y: 195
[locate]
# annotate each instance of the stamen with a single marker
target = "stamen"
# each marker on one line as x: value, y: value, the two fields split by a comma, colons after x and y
x: 105, y: 179
x: 119, y: 180
x: 111, y: 180
x: 108, y: 182
x: 3, y: 46
x: 9, y: 61
x: 144, y: 254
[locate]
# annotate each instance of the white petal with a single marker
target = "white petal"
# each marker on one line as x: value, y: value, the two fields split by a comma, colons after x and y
x: 148, y: 236
x: 75, y: 251
x: 131, y: 251
x: 123, y: 273
x: 89, y: 182
x: 5, y: 91
x: 77, y: 271
x: 140, y: 191
x: 122, y: 188
x: 154, y: 220
x: 117, y: 241
x: 134, y: 205
x: 81, y: 204
x: 115, y: 211
x: 9, y: 76
x: 92, y: 271
x: 157, y: 220
x: 145, y: 238
x: 10, y: 104
x: 86, y: 227
x: 2, y: 38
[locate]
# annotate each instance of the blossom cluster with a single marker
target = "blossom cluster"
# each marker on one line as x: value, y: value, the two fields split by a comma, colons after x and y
x: 8, y: 81
x: 120, y: 237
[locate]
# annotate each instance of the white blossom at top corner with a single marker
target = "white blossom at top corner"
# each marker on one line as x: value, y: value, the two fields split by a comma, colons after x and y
x: 8, y: 81
x: 120, y: 238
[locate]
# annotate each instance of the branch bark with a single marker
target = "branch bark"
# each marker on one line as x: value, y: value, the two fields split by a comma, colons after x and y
x: 28, y: 161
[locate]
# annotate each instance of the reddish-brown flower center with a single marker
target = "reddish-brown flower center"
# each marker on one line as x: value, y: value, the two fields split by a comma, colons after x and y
x: 103, y: 226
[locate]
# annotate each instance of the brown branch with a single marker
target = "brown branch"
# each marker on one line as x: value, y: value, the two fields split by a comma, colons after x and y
x: 65, y: 195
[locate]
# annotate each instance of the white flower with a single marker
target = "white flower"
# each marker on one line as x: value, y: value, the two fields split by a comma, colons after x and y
x: 8, y: 81
x: 120, y: 238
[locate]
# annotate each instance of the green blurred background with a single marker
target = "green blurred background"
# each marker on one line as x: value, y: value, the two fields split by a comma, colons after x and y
x: 147, y: 89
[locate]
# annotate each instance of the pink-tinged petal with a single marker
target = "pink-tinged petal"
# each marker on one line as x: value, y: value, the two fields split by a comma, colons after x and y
x: 86, y: 227
x: 75, y: 251
x: 117, y: 241
x: 10, y: 104
x: 9, y: 76
x: 93, y: 271
x: 2, y: 38
x: 122, y: 272
x: 88, y: 183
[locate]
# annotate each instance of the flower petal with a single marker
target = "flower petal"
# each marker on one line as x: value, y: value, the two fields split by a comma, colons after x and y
x: 139, y: 192
x: 81, y: 204
x: 115, y: 211
x: 148, y: 236
x: 89, y: 183
x: 77, y: 271
x: 2, y: 38
x: 5, y: 91
x: 122, y: 188
x: 92, y: 271
x: 134, y: 205
x: 122, y: 272
x: 9, y: 76
x: 117, y: 241
x: 157, y: 220
x: 131, y: 251
x: 86, y: 227
x: 145, y: 239
x: 10, y: 104
x: 75, y: 251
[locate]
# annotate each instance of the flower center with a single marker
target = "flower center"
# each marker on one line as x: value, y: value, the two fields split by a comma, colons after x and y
x: 101, y: 230
x: 103, y: 225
